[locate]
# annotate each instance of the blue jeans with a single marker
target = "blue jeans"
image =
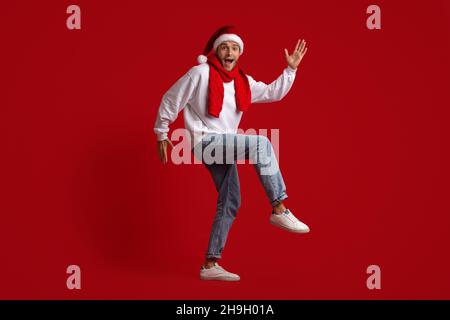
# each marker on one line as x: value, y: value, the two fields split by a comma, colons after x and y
x: 219, y: 153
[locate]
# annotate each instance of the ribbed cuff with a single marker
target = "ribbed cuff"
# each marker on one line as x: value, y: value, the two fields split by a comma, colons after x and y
x: 290, y: 70
x: 161, y: 136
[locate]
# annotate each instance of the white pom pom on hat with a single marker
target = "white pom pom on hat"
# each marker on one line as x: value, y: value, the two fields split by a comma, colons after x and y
x: 226, y: 33
x: 202, y: 59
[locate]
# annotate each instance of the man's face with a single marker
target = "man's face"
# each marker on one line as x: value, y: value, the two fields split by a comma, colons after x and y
x: 228, y: 53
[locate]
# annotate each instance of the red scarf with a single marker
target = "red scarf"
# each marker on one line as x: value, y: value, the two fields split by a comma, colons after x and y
x: 217, y: 76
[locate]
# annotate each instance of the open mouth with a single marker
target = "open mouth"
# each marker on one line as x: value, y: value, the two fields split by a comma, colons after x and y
x: 228, y: 62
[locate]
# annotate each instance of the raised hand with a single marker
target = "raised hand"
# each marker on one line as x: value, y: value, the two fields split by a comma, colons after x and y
x: 293, y: 60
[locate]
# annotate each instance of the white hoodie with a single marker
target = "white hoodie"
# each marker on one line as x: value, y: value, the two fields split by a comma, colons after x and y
x: 190, y: 93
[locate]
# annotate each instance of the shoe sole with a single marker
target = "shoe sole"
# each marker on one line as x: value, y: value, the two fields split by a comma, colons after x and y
x: 220, y: 279
x: 288, y: 229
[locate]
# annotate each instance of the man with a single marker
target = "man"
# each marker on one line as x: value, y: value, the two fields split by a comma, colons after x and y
x: 213, y: 96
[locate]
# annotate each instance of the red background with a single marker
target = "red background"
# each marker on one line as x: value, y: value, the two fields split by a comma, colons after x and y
x: 363, y: 150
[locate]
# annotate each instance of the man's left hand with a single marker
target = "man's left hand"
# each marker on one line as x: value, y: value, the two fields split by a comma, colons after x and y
x: 294, y: 59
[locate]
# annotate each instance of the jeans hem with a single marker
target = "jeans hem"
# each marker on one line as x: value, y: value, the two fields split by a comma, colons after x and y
x: 213, y: 256
x: 280, y: 198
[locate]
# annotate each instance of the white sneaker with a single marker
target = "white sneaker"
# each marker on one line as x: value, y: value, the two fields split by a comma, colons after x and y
x: 287, y: 221
x: 216, y: 272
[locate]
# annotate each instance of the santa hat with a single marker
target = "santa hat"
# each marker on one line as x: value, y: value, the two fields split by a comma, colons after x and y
x: 226, y: 33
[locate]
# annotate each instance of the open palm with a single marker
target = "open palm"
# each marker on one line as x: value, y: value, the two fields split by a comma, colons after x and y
x: 293, y: 60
